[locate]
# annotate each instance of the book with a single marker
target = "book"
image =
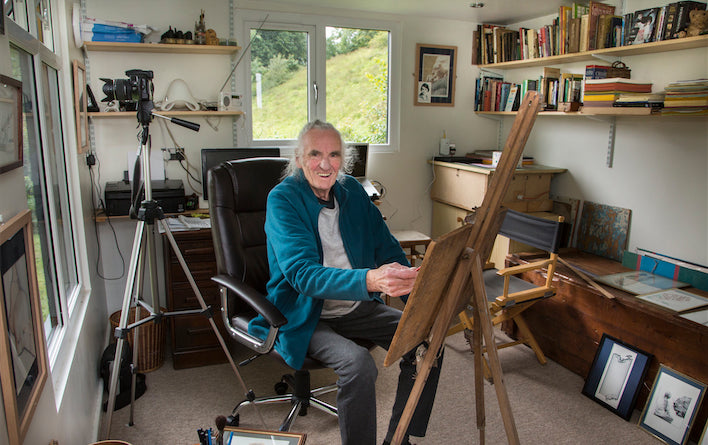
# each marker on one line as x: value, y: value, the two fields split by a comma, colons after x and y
x: 682, y: 19
x: 595, y: 10
x: 596, y: 71
x: 574, y: 35
x: 660, y: 24
x: 671, y: 10
x: 512, y: 104
x: 643, y: 26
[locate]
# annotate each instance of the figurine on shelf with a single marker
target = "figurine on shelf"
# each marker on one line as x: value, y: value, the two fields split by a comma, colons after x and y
x: 200, y: 30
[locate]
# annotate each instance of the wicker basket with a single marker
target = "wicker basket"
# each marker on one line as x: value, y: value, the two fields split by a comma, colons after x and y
x: 619, y: 69
x: 151, y: 340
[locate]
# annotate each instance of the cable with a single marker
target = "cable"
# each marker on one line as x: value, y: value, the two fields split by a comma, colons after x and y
x: 95, y: 182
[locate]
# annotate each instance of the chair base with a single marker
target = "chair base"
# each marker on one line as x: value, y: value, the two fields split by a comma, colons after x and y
x: 300, y: 399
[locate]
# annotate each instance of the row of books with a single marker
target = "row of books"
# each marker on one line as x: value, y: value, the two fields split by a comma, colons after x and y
x: 494, y: 94
x: 605, y: 92
x: 581, y: 28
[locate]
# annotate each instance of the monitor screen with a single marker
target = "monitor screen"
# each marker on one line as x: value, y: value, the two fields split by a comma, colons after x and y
x: 359, y: 169
x: 211, y: 157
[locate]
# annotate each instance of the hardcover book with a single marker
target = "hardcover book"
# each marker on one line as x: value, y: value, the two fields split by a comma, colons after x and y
x: 643, y: 26
x: 596, y: 9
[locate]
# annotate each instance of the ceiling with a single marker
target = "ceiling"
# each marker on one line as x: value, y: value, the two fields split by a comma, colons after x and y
x: 494, y: 11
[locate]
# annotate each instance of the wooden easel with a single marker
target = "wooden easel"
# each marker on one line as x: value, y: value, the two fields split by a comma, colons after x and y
x: 451, y: 271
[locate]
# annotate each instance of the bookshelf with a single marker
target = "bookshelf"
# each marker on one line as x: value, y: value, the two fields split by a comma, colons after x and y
x: 167, y: 48
x: 183, y: 113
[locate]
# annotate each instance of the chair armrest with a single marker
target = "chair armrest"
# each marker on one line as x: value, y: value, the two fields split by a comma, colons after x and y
x: 254, y: 299
x: 525, y: 296
x: 513, y: 270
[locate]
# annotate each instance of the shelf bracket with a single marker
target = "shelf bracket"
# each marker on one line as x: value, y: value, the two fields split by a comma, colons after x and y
x: 608, y: 59
x: 500, y: 124
x: 611, y: 121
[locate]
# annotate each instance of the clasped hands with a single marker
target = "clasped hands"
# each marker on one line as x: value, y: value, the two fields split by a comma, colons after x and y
x: 392, y: 279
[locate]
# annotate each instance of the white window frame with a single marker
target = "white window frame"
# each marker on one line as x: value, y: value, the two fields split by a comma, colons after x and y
x: 62, y: 344
x: 250, y: 19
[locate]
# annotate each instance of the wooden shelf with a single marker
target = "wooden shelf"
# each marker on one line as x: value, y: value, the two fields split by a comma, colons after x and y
x: 631, y: 50
x: 627, y: 111
x: 117, y: 114
x: 169, y: 48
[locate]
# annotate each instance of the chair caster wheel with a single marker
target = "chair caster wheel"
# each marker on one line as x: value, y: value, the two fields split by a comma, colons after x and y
x: 280, y: 388
x: 232, y: 420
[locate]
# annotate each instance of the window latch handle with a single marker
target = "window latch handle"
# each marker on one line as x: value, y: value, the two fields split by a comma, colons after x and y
x: 316, y: 91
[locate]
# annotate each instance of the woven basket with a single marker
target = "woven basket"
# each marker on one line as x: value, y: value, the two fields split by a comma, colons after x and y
x: 618, y: 69
x: 151, y: 340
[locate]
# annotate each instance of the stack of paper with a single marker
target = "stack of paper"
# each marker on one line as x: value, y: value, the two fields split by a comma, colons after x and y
x: 687, y: 97
x: 604, y: 92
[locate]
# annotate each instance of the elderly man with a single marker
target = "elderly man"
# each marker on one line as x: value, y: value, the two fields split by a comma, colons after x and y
x: 330, y: 256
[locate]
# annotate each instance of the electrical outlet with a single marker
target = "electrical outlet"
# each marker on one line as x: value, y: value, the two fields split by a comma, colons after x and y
x: 177, y: 156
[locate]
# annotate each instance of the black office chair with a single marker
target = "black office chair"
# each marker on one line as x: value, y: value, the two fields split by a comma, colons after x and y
x: 237, y: 204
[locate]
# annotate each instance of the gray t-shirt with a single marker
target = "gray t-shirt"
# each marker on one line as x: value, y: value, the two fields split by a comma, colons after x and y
x: 334, y: 255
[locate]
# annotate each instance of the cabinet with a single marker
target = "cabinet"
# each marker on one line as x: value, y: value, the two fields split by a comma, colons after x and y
x: 192, y: 339
x: 459, y: 188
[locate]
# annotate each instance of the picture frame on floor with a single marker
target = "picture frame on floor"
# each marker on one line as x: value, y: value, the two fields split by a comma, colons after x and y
x: 672, y: 406
x: 704, y: 437
x: 23, y: 367
x: 245, y: 436
x: 616, y: 375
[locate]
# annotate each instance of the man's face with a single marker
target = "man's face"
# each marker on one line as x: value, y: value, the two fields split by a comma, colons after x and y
x: 321, y: 160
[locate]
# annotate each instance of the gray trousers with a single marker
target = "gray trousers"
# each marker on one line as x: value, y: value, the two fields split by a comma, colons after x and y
x: 331, y: 344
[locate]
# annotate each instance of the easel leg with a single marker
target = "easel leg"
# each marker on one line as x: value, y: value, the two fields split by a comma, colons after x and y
x: 482, y: 311
x: 437, y: 339
x: 476, y: 345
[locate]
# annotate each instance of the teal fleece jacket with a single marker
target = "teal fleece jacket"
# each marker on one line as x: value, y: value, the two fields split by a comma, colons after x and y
x: 299, y: 282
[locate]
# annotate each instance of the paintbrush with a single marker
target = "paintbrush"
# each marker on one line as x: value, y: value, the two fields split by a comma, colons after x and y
x: 220, y: 424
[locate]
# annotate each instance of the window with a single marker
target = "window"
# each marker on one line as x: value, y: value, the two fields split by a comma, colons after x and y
x: 324, y: 70
x: 46, y: 180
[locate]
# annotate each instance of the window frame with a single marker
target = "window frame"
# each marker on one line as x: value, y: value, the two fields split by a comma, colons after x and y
x: 62, y: 343
x: 250, y: 19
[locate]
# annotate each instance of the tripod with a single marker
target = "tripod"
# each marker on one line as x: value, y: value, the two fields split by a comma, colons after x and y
x: 143, y: 251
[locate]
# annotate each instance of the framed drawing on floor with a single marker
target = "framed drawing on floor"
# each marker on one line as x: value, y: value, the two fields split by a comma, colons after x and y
x: 616, y: 375
x: 23, y: 362
x: 245, y: 436
x: 672, y: 406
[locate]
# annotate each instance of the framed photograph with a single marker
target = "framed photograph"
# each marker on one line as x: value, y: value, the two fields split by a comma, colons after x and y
x: 80, y: 106
x: 10, y: 123
x: 616, y: 375
x: 435, y: 75
x: 245, y: 436
x: 23, y: 352
x: 639, y: 282
x: 672, y: 406
x: 675, y: 299
x: 700, y: 317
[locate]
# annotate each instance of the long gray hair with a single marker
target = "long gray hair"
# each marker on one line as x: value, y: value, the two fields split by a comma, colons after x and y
x: 348, y: 153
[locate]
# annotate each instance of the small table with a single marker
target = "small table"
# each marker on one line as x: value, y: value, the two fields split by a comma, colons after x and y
x: 414, y: 242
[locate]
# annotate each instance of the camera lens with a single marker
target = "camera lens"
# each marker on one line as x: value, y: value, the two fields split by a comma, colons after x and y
x: 120, y: 89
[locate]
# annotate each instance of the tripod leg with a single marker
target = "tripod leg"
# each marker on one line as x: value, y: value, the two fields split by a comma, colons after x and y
x: 203, y: 305
x: 136, y: 334
x: 127, y: 298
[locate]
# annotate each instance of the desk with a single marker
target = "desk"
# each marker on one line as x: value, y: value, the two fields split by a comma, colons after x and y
x: 568, y: 326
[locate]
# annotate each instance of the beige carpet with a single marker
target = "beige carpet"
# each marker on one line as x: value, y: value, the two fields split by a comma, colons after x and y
x: 547, y: 404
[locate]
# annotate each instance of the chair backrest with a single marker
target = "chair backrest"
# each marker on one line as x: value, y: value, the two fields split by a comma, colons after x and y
x: 541, y: 233
x: 238, y: 191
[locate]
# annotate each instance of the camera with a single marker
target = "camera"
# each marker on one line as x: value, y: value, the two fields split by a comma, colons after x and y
x: 136, y: 88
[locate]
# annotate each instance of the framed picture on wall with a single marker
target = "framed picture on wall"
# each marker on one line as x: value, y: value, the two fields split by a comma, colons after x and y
x: 245, y: 436
x: 80, y: 106
x: 10, y: 124
x: 672, y: 406
x: 616, y: 375
x: 23, y: 352
x: 435, y: 75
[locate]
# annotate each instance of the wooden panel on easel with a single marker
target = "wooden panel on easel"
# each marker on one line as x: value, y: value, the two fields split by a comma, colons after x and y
x: 441, y: 257
x: 603, y: 230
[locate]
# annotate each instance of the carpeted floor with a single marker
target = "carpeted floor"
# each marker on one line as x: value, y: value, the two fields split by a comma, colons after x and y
x: 546, y: 400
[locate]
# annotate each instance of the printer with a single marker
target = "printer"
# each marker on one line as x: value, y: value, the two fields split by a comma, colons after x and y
x: 168, y: 193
